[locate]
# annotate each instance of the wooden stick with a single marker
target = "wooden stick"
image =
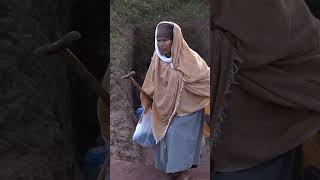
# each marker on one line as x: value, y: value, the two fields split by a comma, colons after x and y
x: 86, y: 76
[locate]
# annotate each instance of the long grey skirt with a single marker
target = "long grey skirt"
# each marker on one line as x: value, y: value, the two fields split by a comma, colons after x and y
x: 180, y: 149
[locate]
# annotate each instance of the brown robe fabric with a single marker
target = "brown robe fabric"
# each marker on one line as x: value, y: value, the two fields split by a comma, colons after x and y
x: 180, y: 90
x: 276, y: 105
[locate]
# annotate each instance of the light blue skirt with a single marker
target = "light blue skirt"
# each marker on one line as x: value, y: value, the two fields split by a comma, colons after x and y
x: 180, y: 149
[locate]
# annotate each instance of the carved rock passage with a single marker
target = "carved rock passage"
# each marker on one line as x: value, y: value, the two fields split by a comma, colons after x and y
x: 35, y: 118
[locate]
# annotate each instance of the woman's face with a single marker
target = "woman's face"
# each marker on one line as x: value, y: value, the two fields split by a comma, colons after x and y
x: 164, y: 45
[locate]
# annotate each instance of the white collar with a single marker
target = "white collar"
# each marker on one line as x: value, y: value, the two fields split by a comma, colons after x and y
x: 162, y: 57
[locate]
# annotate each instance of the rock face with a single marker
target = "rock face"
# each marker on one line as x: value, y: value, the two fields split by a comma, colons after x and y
x: 121, y: 112
x: 35, y: 116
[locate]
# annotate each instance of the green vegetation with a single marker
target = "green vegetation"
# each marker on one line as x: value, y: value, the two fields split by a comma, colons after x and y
x: 126, y: 14
x: 141, y: 11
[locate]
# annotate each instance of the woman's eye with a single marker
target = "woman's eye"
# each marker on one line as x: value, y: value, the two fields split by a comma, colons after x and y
x: 162, y: 40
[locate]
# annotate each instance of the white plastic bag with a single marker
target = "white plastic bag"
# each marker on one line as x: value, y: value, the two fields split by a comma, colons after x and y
x: 143, y: 133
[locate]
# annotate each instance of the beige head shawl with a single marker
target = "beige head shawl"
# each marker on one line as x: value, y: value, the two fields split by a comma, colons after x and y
x: 176, y: 90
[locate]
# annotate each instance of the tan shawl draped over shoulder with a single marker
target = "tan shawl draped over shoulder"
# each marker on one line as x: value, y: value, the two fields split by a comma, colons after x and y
x: 180, y: 90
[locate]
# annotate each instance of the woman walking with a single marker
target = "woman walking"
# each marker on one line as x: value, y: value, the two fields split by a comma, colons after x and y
x: 178, y: 80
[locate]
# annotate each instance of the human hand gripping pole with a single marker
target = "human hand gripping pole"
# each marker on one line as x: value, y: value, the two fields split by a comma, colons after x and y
x: 129, y: 76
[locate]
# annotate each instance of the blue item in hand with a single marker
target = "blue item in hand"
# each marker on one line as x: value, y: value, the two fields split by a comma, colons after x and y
x: 139, y: 112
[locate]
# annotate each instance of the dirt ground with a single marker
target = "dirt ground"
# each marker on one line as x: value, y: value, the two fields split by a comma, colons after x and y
x: 123, y: 170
